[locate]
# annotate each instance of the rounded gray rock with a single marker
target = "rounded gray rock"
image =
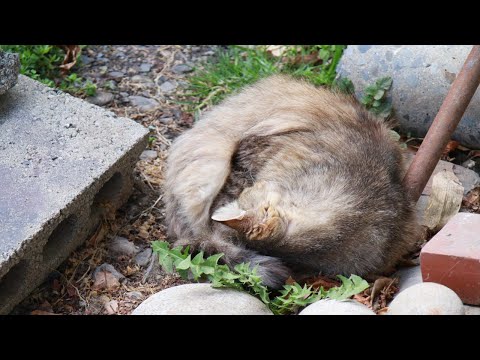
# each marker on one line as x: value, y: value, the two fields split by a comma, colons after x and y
x: 123, y: 246
x: 181, y: 69
x: 101, y: 98
x: 427, y: 298
x: 422, y: 76
x: 143, y: 257
x: 335, y: 307
x: 143, y: 103
x: 201, y: 299
x: 9, y: 69
x: 148, y: 155
x: 168, y: 87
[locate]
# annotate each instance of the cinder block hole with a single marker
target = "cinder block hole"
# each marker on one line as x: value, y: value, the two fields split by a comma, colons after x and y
x: 61, y: 236
x: 14, y: 280
x: 108, y: 194
x: 110, y: 190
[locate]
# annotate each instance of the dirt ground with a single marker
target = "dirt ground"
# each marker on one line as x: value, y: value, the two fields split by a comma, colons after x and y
x: 144, y: 83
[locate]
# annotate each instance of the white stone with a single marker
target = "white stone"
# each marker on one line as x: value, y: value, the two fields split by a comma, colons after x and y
x: 471, y: 310
x: 201, y: 299
x: 335, y: 307
x: 427, y: 298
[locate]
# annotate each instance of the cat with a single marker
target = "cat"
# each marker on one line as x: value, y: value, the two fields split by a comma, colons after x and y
x: 293, y: 178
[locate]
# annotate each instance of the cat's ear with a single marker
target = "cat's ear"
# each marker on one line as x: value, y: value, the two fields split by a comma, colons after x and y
x: 233, y: 217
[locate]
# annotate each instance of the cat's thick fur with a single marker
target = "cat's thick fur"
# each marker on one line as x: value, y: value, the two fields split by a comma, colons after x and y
x: 293, y: 178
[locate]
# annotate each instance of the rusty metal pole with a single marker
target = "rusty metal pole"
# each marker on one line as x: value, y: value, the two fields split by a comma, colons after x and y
x: 444, y: 124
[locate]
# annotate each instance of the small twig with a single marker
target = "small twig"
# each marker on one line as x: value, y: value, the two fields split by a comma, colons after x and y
x: 208, y: 98
x: 162, y: 138
x: 167, y: 65
x: 148, y: 272
x: 148, y: 181
x: 147, y: 210
x: 85, y: 274
x: 156, y: 202
x: 70, y: 283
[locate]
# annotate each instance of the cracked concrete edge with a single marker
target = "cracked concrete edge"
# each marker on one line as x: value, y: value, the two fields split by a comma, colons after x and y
x: 9, y: 70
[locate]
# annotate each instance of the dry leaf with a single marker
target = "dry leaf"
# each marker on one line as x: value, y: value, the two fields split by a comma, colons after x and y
x: 310, y: 59
x: 111, y: 307
x: 56, y: 286
x: 444, y: 201
x: 108, y: 210
x: 363, y: 299
x: 130, y: 270
x: 42, y: 312
x: 452, y: 145
x: 379, y: 285
x: 99, y: 234
x: 377, y: 296
x: 473, y: 154
x: 290, y: 281
x: 387, y: 294
x: 382, y: 311
x: 70, y: 59
x: 276, y: 50
x: 462, y: 148
x: 71, y: 291
x: 105, y: 280
x: 472, y: 199
x: 318, y: 281
x: 144, y: 234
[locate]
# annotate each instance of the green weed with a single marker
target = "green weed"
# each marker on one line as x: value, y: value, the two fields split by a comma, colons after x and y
x: 245, y: 278
x: 41, y: 62
x: 238, y: 66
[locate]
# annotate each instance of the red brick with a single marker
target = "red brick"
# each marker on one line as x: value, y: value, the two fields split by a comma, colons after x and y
x: 452, y: 257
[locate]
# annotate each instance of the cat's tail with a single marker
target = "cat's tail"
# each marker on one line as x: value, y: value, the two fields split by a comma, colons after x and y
x: 198, y: 165
x: 271, y: 269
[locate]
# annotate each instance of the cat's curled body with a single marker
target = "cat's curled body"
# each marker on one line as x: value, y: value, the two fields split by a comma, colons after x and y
x: 291, y: 177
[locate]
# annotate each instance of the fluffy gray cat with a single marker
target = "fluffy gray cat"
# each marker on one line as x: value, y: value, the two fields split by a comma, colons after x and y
x: 293, y: 178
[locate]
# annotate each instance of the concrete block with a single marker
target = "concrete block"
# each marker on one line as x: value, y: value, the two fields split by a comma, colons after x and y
x: 422, y: 76
x: 64, y: 164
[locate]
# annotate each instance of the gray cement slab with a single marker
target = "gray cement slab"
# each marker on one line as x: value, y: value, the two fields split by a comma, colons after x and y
x: 63, y: 164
